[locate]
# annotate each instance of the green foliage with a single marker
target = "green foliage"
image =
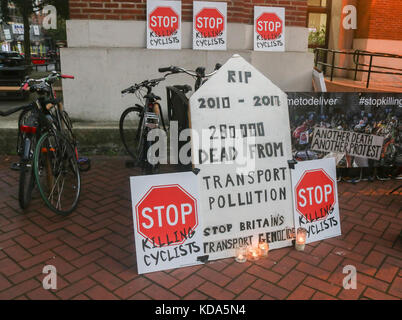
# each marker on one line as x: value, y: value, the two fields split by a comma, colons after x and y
x: 317, y: 38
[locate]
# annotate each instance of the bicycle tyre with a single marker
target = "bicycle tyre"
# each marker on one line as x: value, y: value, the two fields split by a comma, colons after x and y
x: 26, y: 185
x: 129, y: 133
x: 55, y: 155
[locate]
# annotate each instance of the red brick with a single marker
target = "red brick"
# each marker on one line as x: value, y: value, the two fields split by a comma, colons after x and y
x: 375, y: 258
x: 19, y: 289
x: 214, y: 276
x: 396, y: 288
x: 378, y: 295
x: 264, y: 273
x: 291, y: 280
x: 158, y: 293
x: 75, y: 289
x: 17, y: 253
x: 240, y: 283
x: 285, y: 265
x: 42, y: 294
x: 132, y: 287
x: 100, y: 293
x: 322, y: 296
x: 331, y: 262
x: 162, y: 278
x: 301, y: 293
x: 270, y: 289
x: 249, y: 294
x: 107, y: 279
x: 82, y: 272
x: 314, y: 271
x: 186, y: 286
x: 321, y: 286
x: 215, y: 291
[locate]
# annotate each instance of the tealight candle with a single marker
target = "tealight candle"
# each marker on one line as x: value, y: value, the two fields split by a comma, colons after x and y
x: 241, y: 254
x: 264, y: 247
x: 253, y: 253
x: 301, y: 239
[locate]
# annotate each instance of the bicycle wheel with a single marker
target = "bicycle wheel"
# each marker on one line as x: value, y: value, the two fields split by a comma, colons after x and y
x: 56, y: 173
x: 130, y: 132
x: 26, y: 184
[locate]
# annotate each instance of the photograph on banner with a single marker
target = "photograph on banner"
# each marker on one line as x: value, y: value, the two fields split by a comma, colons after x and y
x: 315, y: 197
x: 167, y: 221
x: 242, y: 120
x: 163, y: 24
x: 269, y: 28
x: 209, y: 25
x: 358, y: 129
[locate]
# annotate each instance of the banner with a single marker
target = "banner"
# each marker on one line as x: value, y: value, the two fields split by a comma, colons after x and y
x: 163, y: 24
x: 315, y: 196
x: 209, y: 25
x: 167, y: 221
x: 358, y: 129
x: 241, y: 145
x: 269, y: 28
x: 351, y: 143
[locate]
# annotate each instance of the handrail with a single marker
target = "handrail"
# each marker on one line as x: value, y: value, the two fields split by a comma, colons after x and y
x: 356, y: 57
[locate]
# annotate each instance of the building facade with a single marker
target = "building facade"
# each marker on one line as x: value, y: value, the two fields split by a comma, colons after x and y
x: 107, y: 52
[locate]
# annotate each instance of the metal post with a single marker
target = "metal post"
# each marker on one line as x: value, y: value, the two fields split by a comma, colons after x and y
x: 332, y: 65
x: 369, y: 71
x: 357, y: 63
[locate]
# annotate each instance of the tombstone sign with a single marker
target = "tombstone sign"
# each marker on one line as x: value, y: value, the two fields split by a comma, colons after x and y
x: 316, y: 206
x: 167, y: 222
x: 269, y: 29
x: 209, y: 25
x: 241, y: 144
x: 163, y: 24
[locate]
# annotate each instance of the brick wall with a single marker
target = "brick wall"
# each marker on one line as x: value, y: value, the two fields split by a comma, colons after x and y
x: 379, y: 19
x: 238, y: 10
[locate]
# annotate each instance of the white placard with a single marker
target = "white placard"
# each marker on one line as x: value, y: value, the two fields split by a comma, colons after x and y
x: 36, y: 30
x: 167, y: 221
x: 315, y: 194
x: 352, y: 143
x: 163, y: 24
x: 209, y: 25
x: 269, y: 28
x: 7, y: 34
x: 18, y: 28
x: 246, y: 196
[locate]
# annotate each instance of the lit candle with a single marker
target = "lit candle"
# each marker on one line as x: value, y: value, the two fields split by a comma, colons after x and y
x: 301, y: 239
x: 241, y: 254
x: 253, y: 253
x: 264, y: 247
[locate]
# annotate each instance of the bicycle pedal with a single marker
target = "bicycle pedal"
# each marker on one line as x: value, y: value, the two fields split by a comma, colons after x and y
x: 16, y: 166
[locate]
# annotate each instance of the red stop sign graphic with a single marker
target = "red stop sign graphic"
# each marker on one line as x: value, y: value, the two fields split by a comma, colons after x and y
x: 166, y: 215
x: 209, y: 22
x: 164, y: 21
x: 269, y: 26
x: 315, y: 194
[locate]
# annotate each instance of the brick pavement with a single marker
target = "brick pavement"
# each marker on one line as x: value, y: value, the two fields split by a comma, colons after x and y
x: 93, y: 249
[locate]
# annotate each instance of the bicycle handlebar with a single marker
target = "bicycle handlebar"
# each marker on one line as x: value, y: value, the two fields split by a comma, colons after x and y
x: 13, y: 110
x: 145, y: 84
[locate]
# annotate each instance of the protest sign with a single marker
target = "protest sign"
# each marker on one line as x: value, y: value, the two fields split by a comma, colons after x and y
x: 163, y: 24
x: 167, y: 221
x: 209, y: 25
x: 315, y: 195
x: 242, y: 120
x: 269, y: 28
x: 348, y: 142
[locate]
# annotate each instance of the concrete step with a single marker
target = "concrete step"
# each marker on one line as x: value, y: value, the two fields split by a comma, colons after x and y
x: 93, y: 137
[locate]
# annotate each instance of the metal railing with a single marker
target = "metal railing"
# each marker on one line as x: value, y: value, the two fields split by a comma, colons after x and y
x: 358, y: 66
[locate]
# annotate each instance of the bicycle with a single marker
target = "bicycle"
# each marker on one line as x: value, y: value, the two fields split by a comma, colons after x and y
x: 136, y: 122
x: 45, y: 129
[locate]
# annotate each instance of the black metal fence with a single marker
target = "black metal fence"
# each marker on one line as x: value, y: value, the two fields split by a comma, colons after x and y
x: 322, y: 56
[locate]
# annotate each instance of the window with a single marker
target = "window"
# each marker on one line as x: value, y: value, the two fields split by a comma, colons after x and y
x: 319, y: 13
